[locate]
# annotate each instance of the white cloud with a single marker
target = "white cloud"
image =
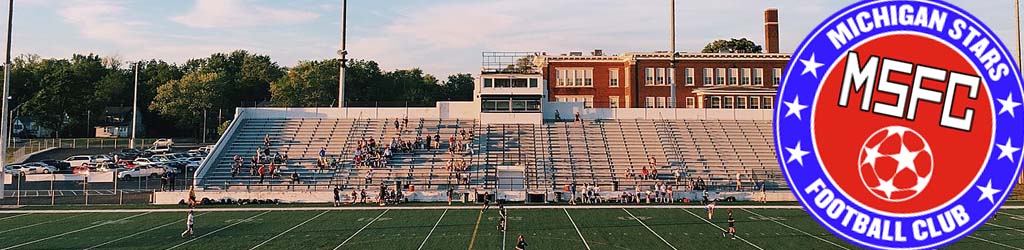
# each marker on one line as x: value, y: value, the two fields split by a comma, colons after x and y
x: 239, y: 13
x: 103, y: 20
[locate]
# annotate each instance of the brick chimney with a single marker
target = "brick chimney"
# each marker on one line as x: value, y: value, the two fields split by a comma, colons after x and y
x: 771, y: 30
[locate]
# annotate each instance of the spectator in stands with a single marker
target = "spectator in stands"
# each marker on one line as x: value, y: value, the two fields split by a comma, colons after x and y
x: 631, y: 173
x: 427, y: 144
x: 369, y: 176
x: 739, y: 182
x: 397, y: 126
x: 295, y: 178
x: 362, y: 195
x: 558, y: 117
x: 678, y: 174
x: 437, y: 141
x: 405, y: 123
x: 654, y: 174
x: 323, y: 153
x: 266, y: 140
x: 337, y: 196
x: 578, y: 117
x: 644, y: 173
x: 263, y: 173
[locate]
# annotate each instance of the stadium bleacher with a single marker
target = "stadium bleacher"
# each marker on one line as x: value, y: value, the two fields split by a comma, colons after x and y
x: 553, y: 154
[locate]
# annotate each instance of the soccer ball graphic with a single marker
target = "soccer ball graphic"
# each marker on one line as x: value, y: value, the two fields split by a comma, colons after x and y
x: 895, y: 163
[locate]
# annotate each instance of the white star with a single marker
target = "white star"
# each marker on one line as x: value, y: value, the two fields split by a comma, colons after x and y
x: 796, y: 154
x: 872, y: 154
x: 905, y: 159
x: 1007, y: 105
x: 794, y: 107
x: 987, y: 192
x: 1006, y: 150
x: 887, y: 187
x: 811, y: 66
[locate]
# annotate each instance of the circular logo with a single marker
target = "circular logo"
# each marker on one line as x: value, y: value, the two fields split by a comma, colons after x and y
x: 897, y: 123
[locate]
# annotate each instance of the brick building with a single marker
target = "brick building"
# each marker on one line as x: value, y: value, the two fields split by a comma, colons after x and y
x: 645, y: 80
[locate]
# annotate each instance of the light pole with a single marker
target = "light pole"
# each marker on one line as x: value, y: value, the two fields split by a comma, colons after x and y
x: 342, y: 52
x: 672, y: 63
x: 3, y: 107
x: 135, y: 107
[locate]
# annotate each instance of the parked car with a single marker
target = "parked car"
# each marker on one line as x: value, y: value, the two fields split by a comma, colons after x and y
x: 159, y: 149
x: 104, y: 167
x: 62, y: 167
x: 81, y: 169
x: 101, y: 158
x: 163, y: 143
x: 143, y: 161
x: 43, y: 167
x: 80, y: 160
x: 25, y: 169
x: 142, y: 171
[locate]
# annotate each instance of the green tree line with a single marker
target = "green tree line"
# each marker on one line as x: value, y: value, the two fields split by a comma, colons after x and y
x: 70, y: 94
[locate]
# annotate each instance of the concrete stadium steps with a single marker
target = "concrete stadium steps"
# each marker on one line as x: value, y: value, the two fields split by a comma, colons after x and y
x: 300, y: 139
x: 425, y: 169
x: 552, y: 154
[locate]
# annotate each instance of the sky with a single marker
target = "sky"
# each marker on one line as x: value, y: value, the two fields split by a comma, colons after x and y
x: 440, y: 36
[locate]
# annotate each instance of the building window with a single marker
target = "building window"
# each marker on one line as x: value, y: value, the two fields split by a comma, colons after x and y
x: 613, y: 102
x: 649, y: 74
x: 768, y: 102
x: 670, y: 76
x: 776, y: 76
x: 659, y: 76
x: 708, y: 75
x: 755, y: 102
x: 660, y: 102
x: 716, y: 102
x: 575, y: 77
x: 741, y: 102
x: 758, y: 76
x: 690, y: 102
x: 533, y: 82
x: 719, y: 76
x: 734, y: 76
x: 727, y: 102
x: 488, y: 82
x: 613, y: 78
x: 745, y: 76
x: 649, y: 103
x: 689, y: 76
x: 588, y: 101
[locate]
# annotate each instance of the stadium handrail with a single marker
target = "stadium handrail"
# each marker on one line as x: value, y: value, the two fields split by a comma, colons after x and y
x: 204, y: 166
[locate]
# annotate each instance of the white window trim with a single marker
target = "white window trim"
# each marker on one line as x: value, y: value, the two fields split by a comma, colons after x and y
x: 571, y: 80
x: 613, y: 74
x: 691, y: 102
x: 689, y: 77
x: 768, y: 102
x: 744, y: 102
x: 615, y: 100
x: 755, y: 99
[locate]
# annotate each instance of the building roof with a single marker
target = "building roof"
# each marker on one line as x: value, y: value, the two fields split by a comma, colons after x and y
x: 667, y: 56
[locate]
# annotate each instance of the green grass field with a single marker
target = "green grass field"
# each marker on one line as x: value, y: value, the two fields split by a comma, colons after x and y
x: 423, y: 227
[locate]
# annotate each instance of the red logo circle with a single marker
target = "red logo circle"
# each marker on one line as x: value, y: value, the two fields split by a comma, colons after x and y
x: 911, y: 162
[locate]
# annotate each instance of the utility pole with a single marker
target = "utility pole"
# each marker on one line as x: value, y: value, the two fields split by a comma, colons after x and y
x: 342, y: 52
x: 135, y: 106
x: 4, y: 115
x: 672, y: 63
x: 204, y: 126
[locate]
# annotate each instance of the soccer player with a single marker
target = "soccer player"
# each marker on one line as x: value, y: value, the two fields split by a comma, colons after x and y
x: 487, y: 201
x: 521, y: 243
x: 711, y: 209
x: 188, y: 225
x: 732, y: 226
x: 450, y: 192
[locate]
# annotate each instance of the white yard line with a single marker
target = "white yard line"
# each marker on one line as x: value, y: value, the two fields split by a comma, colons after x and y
x: 993, y: 242
x: 71, y: 232
x: 361, y: 229
x: 649, y: 229
x: 1005, y: 227
x: 577, y: 228
x: 40, y: 223
x: 138, y: 233
x: 261, y: 209
x: 798, y: 230
x: 12, y: 217
x: 720, y: 228
x: 432, y: 229
x: 218, y: 230
x: 289, y: 230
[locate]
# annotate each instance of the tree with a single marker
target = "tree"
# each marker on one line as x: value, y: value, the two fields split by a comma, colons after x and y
x: 248, y: 76
x: 734, y: 45
x: 308, y: 84
x: 459, y: 87
x: 184, y: 100
x: 223, y: 127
